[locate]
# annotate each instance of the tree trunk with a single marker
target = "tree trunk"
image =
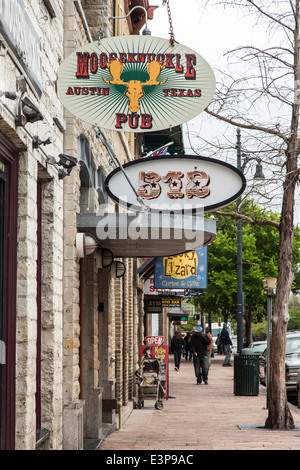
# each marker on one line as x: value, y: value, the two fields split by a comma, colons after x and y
x: 279, y: 416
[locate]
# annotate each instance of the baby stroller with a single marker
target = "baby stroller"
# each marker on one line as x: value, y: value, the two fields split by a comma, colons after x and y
x: 149, y: 382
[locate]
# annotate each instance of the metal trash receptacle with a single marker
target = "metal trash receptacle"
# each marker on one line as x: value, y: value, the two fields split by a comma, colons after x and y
x: 246, y: 373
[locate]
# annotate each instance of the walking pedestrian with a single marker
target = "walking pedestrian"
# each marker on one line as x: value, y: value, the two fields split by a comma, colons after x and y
x: 227, y: 343
x: 199, y: 344
x: 187, y: 342
x: 209, y: 346
x: 219, y: 345
x: 177, y: 345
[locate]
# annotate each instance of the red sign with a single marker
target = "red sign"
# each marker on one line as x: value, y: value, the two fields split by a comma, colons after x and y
x: 154, y: 340
x: 161, y: 353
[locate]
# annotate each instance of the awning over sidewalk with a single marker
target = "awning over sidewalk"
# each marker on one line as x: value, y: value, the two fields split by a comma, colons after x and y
x: 155, y: 140
x: 147, y: 268
x: 175, y: 313
x: 148, y: 234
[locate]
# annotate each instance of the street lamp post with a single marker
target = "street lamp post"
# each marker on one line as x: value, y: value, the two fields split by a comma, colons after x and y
x: 240, y: 295
x: 239, y: 261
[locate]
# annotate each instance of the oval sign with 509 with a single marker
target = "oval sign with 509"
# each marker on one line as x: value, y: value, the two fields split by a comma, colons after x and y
x: 135, y: 83
x: 184, y: 184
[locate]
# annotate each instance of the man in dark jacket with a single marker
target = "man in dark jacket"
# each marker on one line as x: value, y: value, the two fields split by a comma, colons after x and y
x: 177, y: 345
x: 187, y: 344
x: 199, y: 344
x: 227, y: 343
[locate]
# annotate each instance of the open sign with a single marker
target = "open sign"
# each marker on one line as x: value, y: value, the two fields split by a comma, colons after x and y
x: 154, y: 340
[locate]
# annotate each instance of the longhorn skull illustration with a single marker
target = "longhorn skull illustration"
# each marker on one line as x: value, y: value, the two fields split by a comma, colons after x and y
x: 134, y: 88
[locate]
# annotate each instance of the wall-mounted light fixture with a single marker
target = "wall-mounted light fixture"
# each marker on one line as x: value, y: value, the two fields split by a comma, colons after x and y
x: 117, y: 269
x: 11, y: 95
x: 37, y: 141
x: 85, y: 245
x: 104, y: 258
x: 51, y: 160
x: 21, y: 89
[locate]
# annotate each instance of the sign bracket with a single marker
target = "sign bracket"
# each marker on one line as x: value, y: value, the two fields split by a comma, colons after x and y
x: 101, y: 136
x: 129, y: 13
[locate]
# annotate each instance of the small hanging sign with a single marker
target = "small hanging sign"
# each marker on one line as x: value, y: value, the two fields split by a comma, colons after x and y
x: 135, y: 83
x: 186, y: 271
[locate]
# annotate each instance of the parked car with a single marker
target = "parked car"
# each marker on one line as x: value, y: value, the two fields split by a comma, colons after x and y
x: 292, y: 363
x: 258, y: 347
x: 298, y: 388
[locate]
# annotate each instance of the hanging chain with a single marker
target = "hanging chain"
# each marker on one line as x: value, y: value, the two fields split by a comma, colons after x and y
x: 172, y: 37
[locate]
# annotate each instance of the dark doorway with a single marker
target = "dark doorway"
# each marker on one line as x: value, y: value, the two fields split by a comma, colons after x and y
x: 8, y: 270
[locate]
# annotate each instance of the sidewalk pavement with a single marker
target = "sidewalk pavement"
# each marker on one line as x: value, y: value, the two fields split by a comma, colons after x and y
x: 203, y: 417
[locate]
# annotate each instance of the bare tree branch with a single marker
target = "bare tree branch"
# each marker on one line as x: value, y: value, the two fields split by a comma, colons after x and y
x: 271, y: 17
x: 264, y: 52
x: 255, y: 127
x: 249, y: 220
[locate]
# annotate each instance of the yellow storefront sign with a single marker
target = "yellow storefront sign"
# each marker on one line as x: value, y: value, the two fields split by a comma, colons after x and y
x: 182, y: 266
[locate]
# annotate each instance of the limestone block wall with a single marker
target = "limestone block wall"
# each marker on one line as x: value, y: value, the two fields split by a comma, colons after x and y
x: 110, y: 353
x: 100, y: 346
x: 33, y: 171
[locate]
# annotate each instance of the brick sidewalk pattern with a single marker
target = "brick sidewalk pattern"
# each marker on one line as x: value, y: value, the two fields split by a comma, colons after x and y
x: 203, y: 417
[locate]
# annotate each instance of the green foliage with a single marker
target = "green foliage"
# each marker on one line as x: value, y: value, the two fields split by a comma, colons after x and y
x: 260, y: 253
x: 294, y: 314
x: 190, y: 326
x: 260, y: 257
x: 296, y: 282
x: 259, y: 331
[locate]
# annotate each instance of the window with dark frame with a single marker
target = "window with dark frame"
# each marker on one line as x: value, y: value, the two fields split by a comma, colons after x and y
x: 38, y: 394
x: 51, y: 7
x: 2, y: 270
x: 8, y: 281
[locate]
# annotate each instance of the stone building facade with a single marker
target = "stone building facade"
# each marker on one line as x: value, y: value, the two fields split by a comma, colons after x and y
x: 70, y: 328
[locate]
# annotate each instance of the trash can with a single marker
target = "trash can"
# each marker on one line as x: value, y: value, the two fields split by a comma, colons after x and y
x: 246, y: 373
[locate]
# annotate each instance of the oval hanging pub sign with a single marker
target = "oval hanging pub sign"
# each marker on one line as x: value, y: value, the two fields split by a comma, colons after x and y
x: 135, y: 83
x: 184, y: 184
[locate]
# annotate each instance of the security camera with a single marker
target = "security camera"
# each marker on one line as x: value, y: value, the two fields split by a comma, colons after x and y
x: 67, y: 161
